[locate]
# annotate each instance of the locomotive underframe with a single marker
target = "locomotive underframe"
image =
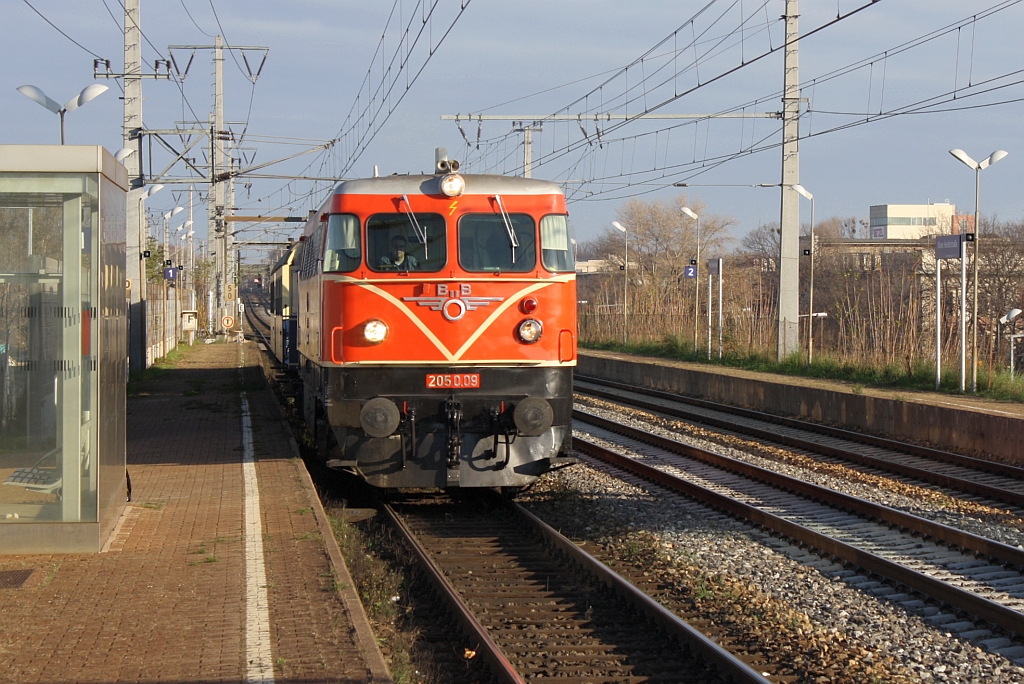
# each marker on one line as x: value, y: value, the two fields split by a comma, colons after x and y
x: 445, y: 437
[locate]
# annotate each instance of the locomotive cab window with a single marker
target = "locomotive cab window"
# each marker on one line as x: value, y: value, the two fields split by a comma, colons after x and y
x: 343, y: 252
x: 487, y: 244
x: 406, y: 242
x: 556, y: 244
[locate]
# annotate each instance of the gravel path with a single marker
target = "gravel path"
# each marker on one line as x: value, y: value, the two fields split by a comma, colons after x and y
x: 999, y: 523
x: 807, y: 613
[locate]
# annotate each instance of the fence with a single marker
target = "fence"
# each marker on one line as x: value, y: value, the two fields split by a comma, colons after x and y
x: 163, y: 323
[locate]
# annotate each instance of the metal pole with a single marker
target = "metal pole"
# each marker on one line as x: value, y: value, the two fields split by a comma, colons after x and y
x: 938, y: 322
x: 696, y: 291
x: 974, y: 306
x: 136, y: 267
x: 963, y: 315
x: 720, y: 308
x: 527, y: 152
x: 625, y: 292
x: 219, y: 165
x: 1013, y: 348
x: 710, y: 277
x: 789, y: 261
x: 810, y: 296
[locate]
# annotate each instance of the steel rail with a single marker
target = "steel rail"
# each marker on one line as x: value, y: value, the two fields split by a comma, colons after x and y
x: 1006, y: 496
x: 983, y: 608
x: 715, y: 656
x: 840, y: 433
x: 500, y: 665
x: 971, y: 542
x: 727, y: 665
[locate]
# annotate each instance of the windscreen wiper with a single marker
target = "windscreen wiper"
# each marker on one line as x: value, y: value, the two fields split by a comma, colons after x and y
x: 508, y: 226
x: 421, y: 233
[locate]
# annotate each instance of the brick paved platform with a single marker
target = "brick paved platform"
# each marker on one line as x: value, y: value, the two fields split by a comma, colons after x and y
x: 169, y: 600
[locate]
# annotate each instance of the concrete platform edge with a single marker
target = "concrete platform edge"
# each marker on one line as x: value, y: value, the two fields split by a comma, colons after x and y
x: 966, y: 430
x: 347, y: 588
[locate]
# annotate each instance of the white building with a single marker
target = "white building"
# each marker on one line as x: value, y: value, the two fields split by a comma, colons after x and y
x: 911, y: 221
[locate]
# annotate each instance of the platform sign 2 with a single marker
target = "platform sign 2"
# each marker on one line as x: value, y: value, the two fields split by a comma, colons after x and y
x: 690, y: 272
x: 948, y: 247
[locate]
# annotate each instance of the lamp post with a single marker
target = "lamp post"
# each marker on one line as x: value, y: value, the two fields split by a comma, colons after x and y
x: 625, y: 282
x: 149, y: 191
x: 163, y: 308
x: 810, y: 296
x: 88, y: 93
x: 977, y: 166
x: 696, y: 284
x: 1009, y: 317
x: 167, y: 220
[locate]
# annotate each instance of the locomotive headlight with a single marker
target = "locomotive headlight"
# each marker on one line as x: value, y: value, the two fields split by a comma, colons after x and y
x: 453, y: 185
x: 530, y: 330
x: 375, y: 331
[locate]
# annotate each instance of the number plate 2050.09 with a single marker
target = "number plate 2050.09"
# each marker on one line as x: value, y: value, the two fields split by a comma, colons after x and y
x: 453, y: 381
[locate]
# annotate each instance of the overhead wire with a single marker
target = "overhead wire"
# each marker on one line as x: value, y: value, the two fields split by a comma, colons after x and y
x: 59, y: 30
x: 918, y: 108
x: 190, y: 18
x: 362, y: 125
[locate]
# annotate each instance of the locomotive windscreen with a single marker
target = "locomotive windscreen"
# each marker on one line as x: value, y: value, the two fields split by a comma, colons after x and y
x: 343, y: 252
x: 394, y: 242
x: 486, y: 246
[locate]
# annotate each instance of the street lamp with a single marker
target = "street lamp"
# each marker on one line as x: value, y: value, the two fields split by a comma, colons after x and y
x: 977, y: 166
x: 625, y: 282
x: 810, y: 297
x: 1009, y: 317
x: 167, y: 221
x: 37, y: 95
x: 149, y: 191
x: 696, y: 286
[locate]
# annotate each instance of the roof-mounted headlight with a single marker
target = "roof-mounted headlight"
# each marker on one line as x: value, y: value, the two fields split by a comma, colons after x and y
x: 375, y: 331
x: 453, y: 185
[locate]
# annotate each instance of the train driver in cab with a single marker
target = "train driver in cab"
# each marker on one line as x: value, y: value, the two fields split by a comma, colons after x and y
x: 398, y: 257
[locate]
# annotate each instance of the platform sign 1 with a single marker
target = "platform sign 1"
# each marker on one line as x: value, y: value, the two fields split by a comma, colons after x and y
x: 948, y: 246
x: 690, y: 272
x: 171, y: 273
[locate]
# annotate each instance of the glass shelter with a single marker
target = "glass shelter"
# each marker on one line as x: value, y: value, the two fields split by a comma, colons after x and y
x: 63, y: 347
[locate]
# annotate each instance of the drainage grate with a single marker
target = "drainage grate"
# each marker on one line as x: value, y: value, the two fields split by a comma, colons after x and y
x: 13, y: 579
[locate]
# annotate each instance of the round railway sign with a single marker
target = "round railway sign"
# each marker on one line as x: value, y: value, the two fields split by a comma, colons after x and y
x: 228, y: 322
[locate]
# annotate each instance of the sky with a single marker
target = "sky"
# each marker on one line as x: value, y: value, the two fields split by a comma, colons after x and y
x: 535, y: 58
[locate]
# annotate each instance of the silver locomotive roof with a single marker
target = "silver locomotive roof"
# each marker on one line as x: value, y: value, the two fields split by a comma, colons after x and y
x: 431, y: 185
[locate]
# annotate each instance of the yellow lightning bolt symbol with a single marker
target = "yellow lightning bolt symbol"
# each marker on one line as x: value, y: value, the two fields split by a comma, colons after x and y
x: 452, y: 207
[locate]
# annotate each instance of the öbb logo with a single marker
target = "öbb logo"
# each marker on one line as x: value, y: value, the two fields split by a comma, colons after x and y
x: 453, y: 301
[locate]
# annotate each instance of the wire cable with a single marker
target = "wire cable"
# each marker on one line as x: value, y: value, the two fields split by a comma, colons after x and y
x: 60, y: 31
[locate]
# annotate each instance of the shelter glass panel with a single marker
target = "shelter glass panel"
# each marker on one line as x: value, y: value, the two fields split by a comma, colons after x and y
x: 48, y: 388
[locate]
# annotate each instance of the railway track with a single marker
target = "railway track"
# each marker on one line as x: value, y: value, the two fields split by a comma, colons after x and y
x: 541, y: 609
x: 256, y: 322
x: 954, y: 472
x: 913, y: 554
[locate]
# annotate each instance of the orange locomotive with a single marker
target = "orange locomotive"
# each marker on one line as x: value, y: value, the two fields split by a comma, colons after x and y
x: 437, y: 329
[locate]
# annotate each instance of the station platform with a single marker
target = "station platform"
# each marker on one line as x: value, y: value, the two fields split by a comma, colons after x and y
x: 976, y: 426
x: 221, y: 569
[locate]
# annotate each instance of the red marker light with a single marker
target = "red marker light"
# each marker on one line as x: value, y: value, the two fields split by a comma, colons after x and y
x: 528, y: 305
